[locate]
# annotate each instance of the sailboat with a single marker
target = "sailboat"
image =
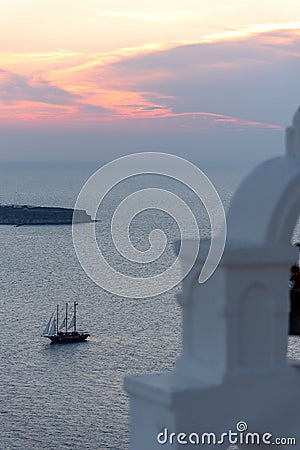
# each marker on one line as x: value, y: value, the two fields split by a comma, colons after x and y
x: 66, y: 332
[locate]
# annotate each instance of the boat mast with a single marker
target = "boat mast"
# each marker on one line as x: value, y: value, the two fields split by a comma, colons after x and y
x: 75, y: 304
x: 66, y: 318
x: 56, y: 319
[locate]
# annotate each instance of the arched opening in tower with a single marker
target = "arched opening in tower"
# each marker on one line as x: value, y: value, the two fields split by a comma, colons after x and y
x: 294, y: 298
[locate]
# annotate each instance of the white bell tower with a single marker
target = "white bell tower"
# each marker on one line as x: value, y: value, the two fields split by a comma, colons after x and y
x: 235, y: 326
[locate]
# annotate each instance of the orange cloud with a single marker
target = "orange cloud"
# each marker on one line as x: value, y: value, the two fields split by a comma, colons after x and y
x: 145, y: 82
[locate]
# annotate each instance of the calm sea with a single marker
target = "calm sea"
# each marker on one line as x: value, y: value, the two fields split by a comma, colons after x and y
x: 71, y: 397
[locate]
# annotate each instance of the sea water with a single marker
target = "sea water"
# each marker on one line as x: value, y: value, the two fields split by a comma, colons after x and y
x: 71, y: 396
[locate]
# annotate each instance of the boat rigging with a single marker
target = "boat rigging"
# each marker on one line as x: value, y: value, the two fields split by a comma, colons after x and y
x: 67, y: 331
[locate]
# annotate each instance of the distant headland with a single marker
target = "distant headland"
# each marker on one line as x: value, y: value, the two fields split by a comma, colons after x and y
x: 41, y: 215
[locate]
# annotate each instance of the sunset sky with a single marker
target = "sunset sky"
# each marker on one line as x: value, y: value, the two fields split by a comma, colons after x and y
x: 98, y: 79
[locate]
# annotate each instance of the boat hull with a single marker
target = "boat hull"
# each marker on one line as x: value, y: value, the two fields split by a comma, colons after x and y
x: 68, y: 338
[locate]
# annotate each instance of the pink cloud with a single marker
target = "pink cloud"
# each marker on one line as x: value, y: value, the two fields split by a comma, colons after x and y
x: 227, y: 85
